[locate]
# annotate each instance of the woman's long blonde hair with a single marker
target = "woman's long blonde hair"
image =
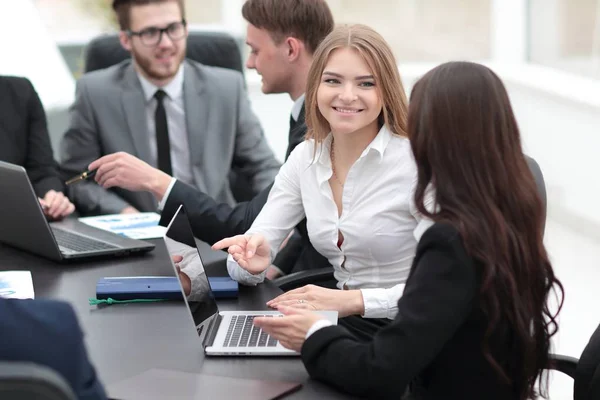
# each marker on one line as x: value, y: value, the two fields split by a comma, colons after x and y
x: 371, y: 46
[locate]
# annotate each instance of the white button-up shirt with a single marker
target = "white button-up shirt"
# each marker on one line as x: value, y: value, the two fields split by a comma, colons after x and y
x: 297, y: 107
x: 178, y: 136
x: 379, y: 222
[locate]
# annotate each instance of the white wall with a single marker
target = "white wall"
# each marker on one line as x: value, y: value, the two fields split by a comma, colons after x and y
x: 28, y: 50
x: 560, y: 127
x: 559, y: 118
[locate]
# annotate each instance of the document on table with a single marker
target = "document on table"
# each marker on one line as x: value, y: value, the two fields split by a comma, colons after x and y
x: 16, y: 285
x: 135, y: 226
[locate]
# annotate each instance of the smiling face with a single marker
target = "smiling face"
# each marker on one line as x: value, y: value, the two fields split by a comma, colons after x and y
x: 158, y: 63
x: 347, y: 95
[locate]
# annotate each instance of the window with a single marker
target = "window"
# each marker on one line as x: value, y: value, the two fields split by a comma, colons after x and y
x: 424, y: 30
x: 565, y: 34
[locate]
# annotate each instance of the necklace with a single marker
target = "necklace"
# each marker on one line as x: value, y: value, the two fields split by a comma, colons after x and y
x: 332, y: 156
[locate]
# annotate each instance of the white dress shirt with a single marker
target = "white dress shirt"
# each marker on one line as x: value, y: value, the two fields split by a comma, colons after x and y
x: 297, y: 107
x: 379, y: 223
x: 178, y: 136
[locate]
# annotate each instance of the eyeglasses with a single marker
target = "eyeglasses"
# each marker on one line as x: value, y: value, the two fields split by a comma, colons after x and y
x: 152, y: 36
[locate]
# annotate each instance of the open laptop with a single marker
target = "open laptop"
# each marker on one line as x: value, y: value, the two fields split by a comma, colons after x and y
x: 223, y: 333
x: 24, y: 225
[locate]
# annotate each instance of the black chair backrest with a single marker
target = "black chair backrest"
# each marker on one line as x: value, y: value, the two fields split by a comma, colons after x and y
x: 28, y: 381
x: 587, y: 379
x: 539, y: 181
x: 218, y: 49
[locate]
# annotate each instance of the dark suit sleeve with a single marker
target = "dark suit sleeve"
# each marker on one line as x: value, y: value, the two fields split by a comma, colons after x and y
x: 41, y: 167
x: 252, y: 158
x: 212, y: 221
x: 437, y: 300
x: 47, y: 333
x: 288, y: 256
x: 88, y: 385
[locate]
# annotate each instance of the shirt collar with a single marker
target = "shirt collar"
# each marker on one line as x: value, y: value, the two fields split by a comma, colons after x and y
x: 297, y: 107
x: 173, y: 88
x: 379, y: 144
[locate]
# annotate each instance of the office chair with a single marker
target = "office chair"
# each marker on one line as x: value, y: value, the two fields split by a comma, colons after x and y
x: 217, y: 49
x: 585, y: 371
x: 29, y: 381
x: 324, y: 276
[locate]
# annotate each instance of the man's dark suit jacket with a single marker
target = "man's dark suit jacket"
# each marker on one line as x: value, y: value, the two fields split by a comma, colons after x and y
x: 47, y: 333
x: 212, y: 221
x: 24, y: 138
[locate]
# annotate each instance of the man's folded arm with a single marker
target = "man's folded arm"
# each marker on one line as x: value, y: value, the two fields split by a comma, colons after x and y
x: 212, y: 221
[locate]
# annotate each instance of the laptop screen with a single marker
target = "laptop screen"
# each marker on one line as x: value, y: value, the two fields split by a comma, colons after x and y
x: 184, y: 253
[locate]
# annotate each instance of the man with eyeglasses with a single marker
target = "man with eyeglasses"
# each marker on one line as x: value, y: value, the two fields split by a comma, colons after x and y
x: 190, y: 121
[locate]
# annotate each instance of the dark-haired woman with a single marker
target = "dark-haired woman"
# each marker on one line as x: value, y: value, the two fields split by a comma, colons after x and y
x: 474, y: 320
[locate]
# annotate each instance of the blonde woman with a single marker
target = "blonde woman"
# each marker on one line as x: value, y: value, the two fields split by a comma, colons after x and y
x: 353, y: 179
x: 475, y: 320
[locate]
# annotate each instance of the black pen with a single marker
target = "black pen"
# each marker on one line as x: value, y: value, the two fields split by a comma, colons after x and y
x: 83, y: 176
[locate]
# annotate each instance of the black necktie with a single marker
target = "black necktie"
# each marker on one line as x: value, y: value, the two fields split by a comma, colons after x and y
x: 163, y: 148
x: 292, y: 123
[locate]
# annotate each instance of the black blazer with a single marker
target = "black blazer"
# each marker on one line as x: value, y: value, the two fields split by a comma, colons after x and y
x: 47, y: 333
x: 24, y: 138
x: 432, y: 347
x: 212, y: 221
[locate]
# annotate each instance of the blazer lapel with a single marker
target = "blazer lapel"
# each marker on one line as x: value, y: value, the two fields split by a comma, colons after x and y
x: 297, y: 133
x: 196, y: 115
x: 134, y: 107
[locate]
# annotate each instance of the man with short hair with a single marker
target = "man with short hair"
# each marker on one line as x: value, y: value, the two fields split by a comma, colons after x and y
x: 188, y: 120
x: 282, y: 35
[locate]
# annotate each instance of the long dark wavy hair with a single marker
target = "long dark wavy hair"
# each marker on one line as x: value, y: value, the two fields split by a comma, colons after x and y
x: 467, y: 146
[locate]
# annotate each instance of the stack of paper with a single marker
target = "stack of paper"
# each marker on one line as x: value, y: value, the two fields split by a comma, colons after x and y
x: 16, y: 285
x: 135, y: 226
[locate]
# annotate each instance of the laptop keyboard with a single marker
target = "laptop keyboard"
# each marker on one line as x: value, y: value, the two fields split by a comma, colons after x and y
x: 242, y: 333
x: 77, y: 243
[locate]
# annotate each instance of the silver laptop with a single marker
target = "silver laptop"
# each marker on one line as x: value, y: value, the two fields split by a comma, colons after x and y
x: 223, y: 333
x: 24, y: 225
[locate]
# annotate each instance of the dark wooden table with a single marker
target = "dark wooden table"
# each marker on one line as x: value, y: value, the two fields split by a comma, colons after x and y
x: 126, y: 339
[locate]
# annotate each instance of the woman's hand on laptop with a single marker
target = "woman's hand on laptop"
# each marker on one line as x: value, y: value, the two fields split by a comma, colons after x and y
x: 56, y: 205
x: 251, y: 252
x: 291, y: 329
x: 312, y: 297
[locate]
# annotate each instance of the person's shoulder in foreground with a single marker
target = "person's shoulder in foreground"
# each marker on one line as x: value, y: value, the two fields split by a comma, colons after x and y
x: 17, y: 82
x: 47, y: 333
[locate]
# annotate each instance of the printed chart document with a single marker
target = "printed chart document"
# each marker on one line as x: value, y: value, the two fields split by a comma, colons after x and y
x: 16, y: 285
x: 135, y: 226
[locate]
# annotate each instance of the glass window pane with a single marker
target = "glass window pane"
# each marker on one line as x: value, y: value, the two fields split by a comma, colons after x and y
x: 424, y: 30
x: 565, y: 34
x: 203, y: 12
